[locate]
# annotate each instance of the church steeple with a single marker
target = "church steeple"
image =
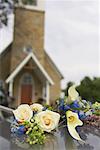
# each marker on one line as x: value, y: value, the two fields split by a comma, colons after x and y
x: 28, y: 32
x: 32, y: 4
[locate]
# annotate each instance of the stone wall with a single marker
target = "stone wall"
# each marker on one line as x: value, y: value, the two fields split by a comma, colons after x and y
x: 29, y: 31
x: 5, y: 59
x: 55, y: 89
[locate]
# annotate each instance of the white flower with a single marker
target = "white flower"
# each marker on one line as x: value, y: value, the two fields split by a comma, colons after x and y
x: 89, y: 113
x: 47, y: 120
x: 72, y: 122
x: 23, y: 113
x: 36, y: 107
x: 72, y: 95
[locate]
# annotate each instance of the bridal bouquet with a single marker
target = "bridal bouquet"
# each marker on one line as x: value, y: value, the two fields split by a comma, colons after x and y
x: 35, y: 121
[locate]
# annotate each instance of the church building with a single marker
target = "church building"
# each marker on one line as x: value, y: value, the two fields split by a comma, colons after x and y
x: 25, y: 67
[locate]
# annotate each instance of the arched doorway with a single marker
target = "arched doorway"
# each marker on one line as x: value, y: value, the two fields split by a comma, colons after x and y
x: 26, y: 94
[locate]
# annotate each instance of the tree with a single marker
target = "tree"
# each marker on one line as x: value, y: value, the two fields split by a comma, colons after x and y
x: 7, y: 6
x: 89, y: 89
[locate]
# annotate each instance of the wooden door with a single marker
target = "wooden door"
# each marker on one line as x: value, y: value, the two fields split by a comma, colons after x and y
x: 26, y: 94
x: 26, y: 88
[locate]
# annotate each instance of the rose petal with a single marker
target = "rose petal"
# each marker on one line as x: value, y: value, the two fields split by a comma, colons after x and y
x: 45, y: 116
x: 23, y: 113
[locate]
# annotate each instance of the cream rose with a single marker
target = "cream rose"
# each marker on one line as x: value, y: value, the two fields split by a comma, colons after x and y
x: 36, y: 107
x: 23, y: 113
x: 47, y: 120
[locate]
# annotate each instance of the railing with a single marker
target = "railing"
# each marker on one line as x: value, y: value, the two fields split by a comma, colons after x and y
x: 6, y: 109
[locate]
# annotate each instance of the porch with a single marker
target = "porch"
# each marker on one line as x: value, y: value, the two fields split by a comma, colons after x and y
x: 29, y: 82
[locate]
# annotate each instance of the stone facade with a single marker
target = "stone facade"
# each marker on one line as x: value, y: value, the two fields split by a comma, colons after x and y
x: 5, y: 61
x: 29, y: 33
x: 55, y: 90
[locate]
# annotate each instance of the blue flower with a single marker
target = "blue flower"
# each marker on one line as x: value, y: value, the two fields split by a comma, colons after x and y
x: 75, y: 104
x: 81, y: 114
x: 17, y: 129
x: 21, y: 129
x: 61, y: 107
x: 66, y: 107
x: 61, y: 104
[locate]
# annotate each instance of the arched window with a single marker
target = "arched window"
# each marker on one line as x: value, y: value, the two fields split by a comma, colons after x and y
x: 27, y: 79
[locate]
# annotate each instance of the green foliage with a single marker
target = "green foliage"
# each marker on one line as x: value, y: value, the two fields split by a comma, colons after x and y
x: 96, y: 107
x: 48, y: 107
x: 34, y: 134
x: 88, y: 89
x: 97, y: 113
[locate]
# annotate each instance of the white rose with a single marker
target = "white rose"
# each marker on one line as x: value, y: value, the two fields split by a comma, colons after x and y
x: 36, y: 107
x: 23, y: 113
x: 47, y: 120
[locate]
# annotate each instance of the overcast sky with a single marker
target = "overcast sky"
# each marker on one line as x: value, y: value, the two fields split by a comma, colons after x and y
x: 72, y: 37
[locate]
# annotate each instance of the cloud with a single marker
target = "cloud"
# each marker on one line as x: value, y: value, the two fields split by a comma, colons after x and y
x: 72, y: 37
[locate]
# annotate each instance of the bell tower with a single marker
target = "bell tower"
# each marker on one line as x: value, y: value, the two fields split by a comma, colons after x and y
x: 28, y: 30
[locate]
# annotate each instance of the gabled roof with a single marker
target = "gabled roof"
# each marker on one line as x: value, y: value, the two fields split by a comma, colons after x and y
x: 23, y: 63
x: 54, y: 65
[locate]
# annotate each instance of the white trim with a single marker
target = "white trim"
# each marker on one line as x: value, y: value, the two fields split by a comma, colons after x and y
x: 47, y: 92
x: 23, y: 63
x: 11, y: 88
x: 43, y: 91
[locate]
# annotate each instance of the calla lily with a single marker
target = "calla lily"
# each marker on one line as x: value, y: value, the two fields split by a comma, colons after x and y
x: 72, y: 94
x: 73, y: 121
